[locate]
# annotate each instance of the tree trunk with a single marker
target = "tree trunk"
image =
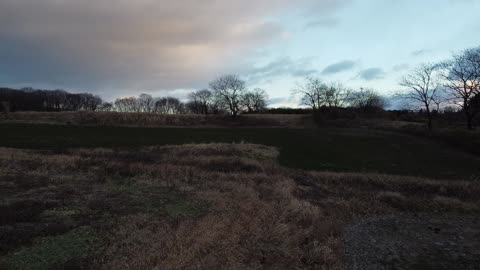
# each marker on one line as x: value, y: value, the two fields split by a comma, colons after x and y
x: 469, y: 122
x: 429, y: 117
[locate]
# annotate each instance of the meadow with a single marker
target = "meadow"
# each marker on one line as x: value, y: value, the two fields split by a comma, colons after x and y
x: 328, y: 148
x: 131, y: 197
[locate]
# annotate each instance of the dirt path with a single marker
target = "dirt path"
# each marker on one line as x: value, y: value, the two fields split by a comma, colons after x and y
x: 422, y: 241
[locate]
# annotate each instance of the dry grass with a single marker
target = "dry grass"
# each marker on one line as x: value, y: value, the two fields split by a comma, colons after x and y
x: 215, y: 206
x: 155, y: 120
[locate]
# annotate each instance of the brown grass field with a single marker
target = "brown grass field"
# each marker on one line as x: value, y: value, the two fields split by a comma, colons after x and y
x: 157, y: 120
x: 205, y: 206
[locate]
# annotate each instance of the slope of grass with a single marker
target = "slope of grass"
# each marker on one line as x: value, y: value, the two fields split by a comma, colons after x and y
x: 334, y: 149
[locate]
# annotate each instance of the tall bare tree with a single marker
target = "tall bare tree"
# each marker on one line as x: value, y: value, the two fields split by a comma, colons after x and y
x: 255, y: 100
x: 229, y: 90
x: 311, y: 91
x: 423, y: 87
x: 201, y: 101
x: 462, y: 79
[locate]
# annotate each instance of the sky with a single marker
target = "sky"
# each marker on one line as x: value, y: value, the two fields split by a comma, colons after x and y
x: 122, y: 48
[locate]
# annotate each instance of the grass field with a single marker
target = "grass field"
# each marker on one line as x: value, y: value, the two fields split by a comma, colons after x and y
x: 203, y: 206
x: 332, y: 149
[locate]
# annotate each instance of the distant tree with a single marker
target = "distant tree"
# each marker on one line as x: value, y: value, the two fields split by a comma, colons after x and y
x: 168, y: 105
x: 90, y: 102
x: 311, y: 92
x: 146, y: 103
x: 105, y: 107
x: 255, y: 100
x: 29, y: 99
x: 4, y: 107
x: 475, y: 104
x: 423, y: 87
x: 367, y: 100
x: 127, y: 104
x: 229, y: 91
x: 336, y: 95
x: 201, y: 101
x: 462, y: 80
x: 316, y: 94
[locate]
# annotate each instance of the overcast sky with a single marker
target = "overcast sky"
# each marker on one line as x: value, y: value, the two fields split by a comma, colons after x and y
x: 124, y: 47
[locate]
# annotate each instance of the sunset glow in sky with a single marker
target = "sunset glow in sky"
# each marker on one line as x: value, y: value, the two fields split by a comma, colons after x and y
x: 123, y: 47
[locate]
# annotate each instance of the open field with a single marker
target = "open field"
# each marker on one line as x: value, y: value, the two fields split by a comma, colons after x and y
x: 332, y: 149
x: 86, y: 196
x: 217, y: 206
x: 157, y: 120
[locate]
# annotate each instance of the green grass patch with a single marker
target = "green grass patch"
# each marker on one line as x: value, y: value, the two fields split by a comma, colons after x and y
x: 53, y: 252
x: 333, y: 149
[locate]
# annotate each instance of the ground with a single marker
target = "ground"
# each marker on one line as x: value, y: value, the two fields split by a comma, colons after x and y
x: 414, y: 241
x: 88, y: 197
x: 331, y: 149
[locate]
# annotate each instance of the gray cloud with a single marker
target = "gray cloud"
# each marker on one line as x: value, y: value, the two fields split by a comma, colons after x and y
x: 371, y: 74
x: 420, y: 52
x: 141, y: 45
x: 339, y: 67
x: 323, y: 22
x: 281, y: 67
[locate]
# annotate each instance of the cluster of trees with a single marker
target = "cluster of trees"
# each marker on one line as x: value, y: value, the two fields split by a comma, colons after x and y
x: 29, y: 99
x: 317, y: 95
x: 455, y: 82
x: 227, y: 95
x: 146, y: 103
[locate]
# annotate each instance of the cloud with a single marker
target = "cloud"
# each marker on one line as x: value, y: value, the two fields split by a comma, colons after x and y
x: 284, y: 66
x: 400, y: 67
x: 339, y: 67
x: 323, y: 22
x: 420, y: 52
x: 371, y: 74
x: 143, y: 45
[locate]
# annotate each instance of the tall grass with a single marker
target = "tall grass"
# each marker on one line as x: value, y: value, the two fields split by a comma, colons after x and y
x: 208, y: 206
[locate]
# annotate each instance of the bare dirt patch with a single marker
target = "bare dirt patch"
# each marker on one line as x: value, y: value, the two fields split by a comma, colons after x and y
x: 408, y: 241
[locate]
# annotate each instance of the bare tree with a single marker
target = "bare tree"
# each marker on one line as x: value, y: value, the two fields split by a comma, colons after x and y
x: 105, y: 107
x: 316, y: 94
x: 169, y: 105
x: 311, y: 92
x: 229, y: 90
x: 423, y: 87
x: 201, y: 101
x: 336, y: 95
x: 255, y: 100
x: 145, y: 103
x: 367, y: 100
x: 462, y: 79
x: 128, y: 104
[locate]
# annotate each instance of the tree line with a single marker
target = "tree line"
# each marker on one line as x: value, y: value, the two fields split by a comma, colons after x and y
x: 452, y: 85
x: 455, y: 82
x: 227, y: 95
x: 29, y: 99
x: 430, y: 87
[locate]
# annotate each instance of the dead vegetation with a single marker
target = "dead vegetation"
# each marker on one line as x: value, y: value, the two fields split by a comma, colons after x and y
x: 211, y: 206
x: 157, y: 120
